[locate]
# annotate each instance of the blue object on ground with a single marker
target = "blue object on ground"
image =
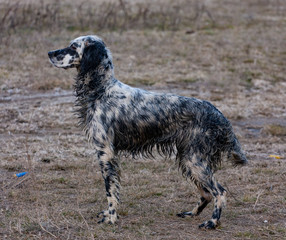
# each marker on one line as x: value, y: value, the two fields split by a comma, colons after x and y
x: 20, y: 174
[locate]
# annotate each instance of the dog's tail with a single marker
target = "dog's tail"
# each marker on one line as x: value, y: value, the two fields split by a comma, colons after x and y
x: 237, y: 156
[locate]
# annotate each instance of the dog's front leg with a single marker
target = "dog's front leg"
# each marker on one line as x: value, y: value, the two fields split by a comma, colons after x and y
x: 111, y: 174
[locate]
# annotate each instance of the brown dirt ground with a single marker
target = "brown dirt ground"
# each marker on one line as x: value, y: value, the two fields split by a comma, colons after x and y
x: 238, y: 65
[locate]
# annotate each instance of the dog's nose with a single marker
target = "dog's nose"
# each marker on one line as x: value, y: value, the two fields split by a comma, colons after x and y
x: 51, y: 54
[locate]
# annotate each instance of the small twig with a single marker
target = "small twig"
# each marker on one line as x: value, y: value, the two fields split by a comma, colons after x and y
x: 123, y: 6
x: 78, y: 210
x: 232, y: 195
x: 258, y: 196
x: 224, y: 231
x: 45, y: 230
x: 18, y: 183
x: 209, y: 14
x: 12, y: 8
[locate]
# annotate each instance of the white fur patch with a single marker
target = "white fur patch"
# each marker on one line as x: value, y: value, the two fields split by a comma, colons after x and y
x: 63, y: 63
x: 67, y: 60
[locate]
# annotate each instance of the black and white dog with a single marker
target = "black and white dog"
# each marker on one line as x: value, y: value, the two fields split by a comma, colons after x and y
x: 120, y: 119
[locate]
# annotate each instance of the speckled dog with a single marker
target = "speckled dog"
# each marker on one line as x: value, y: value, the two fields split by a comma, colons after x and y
x: 120, y: 119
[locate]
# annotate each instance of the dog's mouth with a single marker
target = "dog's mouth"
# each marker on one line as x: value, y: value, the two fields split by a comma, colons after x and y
x: 55, y: 63
x: 60, y: 64
x: 52, y: 62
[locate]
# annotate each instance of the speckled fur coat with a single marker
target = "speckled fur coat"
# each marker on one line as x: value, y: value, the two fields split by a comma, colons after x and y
x: 120, y: 119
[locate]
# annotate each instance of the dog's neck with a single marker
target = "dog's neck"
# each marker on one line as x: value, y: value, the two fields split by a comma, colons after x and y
x: 91, y: 86
x: 92, y: 83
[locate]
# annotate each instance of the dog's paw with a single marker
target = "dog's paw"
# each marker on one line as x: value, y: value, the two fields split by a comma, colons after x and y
x: 211, y: 224
x: 184, y: 214
x: 108, y: 216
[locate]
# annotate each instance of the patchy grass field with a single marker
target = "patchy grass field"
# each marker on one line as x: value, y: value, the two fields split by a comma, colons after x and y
x: 232, y: 54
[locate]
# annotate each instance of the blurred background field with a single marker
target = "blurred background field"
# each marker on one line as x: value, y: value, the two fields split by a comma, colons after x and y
x: 231, y: 53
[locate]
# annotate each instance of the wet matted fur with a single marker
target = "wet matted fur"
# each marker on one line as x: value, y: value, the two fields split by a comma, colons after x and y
x: 120, y: 119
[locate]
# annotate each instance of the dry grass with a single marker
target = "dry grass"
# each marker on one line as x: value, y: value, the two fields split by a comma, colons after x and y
x: 277, y: 130
x: 113, y: 15
x: 230, y: 53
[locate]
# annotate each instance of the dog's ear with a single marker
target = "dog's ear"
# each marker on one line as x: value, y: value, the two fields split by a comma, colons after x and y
x: 93, y: 55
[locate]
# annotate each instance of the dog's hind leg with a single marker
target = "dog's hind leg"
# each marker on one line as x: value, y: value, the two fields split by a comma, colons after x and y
x: 111, y: 175
x: 198, y: 170
x: 205, y: 199
x: 219, y: 194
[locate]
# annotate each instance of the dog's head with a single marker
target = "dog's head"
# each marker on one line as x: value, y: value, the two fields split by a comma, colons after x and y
x: 84, y: 53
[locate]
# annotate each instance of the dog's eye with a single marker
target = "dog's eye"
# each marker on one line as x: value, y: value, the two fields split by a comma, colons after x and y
x: 73, y: 47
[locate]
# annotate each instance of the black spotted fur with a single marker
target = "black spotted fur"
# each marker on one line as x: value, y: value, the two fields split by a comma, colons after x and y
x: 120, y: 119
